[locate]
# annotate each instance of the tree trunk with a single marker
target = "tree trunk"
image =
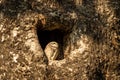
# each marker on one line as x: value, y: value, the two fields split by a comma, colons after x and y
x: 87, y: 32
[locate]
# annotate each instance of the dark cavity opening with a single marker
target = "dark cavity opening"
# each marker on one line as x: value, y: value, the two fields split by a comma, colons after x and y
x: 46, y: 36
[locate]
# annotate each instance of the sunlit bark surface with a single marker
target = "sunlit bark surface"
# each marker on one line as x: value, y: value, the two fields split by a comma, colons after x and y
x: 87, y: 31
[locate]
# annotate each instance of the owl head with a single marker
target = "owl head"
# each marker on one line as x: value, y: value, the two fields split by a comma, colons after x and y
x: 54, y: 45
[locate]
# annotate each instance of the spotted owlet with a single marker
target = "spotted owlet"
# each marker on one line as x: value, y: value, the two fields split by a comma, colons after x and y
x: 52, y: 50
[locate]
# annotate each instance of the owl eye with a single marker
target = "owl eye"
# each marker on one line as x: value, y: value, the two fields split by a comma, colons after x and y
x: 54, y: 43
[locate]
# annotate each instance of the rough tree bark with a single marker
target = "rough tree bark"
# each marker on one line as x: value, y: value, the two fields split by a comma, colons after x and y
x: 86, y: 30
